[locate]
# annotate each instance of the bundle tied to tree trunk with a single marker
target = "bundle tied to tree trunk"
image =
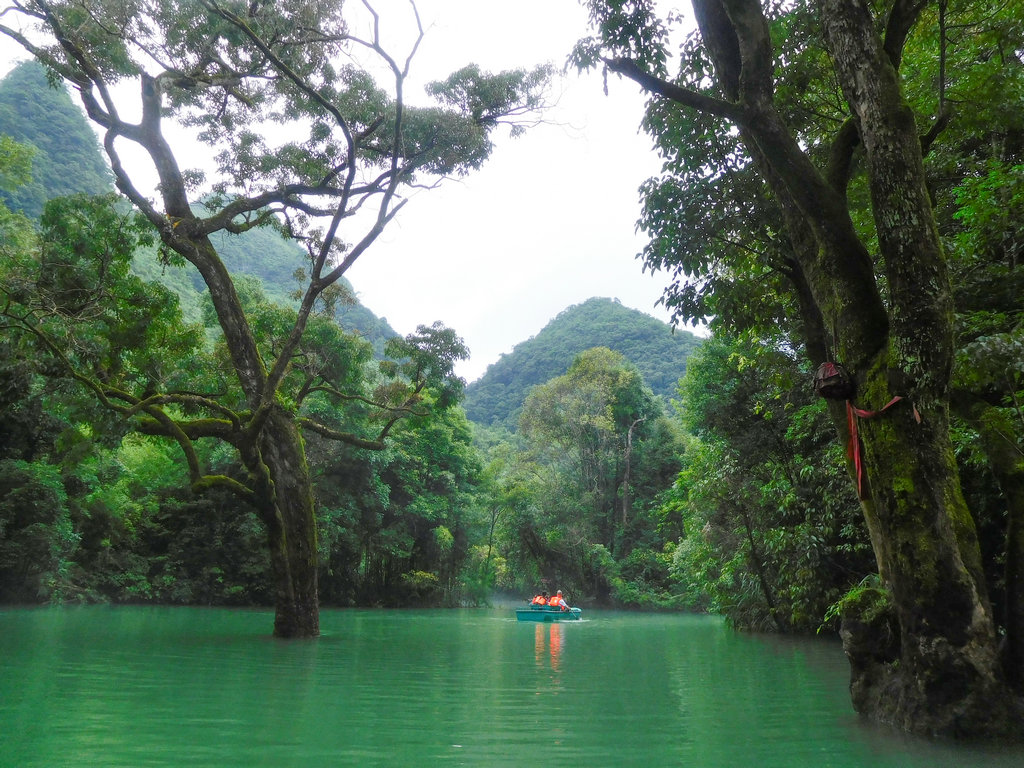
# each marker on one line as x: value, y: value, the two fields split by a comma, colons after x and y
x: 832, y: 381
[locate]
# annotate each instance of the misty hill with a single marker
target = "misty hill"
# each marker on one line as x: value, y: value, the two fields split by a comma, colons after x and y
x: 68, y: 159
x: 651, y: 345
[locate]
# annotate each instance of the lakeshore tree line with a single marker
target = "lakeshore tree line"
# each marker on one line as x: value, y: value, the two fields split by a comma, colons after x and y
x: 195, y: 409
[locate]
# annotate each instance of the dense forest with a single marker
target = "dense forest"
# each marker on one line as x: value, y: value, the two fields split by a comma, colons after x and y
x: 435, y: 518
x: 841, y: 183
x: 195, y: 409
x: 65, y: 156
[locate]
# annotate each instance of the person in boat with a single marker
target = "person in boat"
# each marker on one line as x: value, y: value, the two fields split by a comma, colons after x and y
x: 558, y: 602
x: 541, y: 599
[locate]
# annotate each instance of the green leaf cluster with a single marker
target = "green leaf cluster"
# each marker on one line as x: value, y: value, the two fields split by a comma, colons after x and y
x: 772, y: 533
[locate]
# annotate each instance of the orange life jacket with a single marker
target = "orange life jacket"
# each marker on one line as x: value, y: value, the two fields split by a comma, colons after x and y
x: 555, y: 601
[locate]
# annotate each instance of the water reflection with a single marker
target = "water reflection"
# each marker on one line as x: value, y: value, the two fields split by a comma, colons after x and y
x: 547, y: 644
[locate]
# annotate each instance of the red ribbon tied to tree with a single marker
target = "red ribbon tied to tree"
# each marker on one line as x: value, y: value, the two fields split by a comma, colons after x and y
x: 853, y: 449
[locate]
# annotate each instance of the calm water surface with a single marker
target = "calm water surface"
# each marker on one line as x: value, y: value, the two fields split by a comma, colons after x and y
x: 133, y: 687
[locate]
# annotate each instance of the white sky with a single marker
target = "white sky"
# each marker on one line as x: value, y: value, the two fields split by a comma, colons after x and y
x: 550, y: 219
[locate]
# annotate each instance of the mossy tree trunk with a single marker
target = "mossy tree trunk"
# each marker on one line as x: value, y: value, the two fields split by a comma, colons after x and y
x: 272, y: 450
x: 291, y: 528
x: 947, y: 677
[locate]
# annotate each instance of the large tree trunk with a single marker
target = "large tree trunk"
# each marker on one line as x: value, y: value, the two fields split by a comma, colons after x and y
x: 289, y: 513
x: 270, y: 445
x: 276, y: 461
x: 949, y: 677
x: 934, y: 667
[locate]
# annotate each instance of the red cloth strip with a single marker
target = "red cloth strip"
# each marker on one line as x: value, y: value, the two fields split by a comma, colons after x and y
x: 869, y: 414
x: 853, y: 449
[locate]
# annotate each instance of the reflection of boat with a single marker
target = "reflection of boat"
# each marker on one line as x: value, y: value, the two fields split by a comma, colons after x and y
x: 547, y: 613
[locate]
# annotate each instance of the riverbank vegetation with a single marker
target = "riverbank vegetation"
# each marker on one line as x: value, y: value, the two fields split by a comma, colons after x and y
x: 195, y: 409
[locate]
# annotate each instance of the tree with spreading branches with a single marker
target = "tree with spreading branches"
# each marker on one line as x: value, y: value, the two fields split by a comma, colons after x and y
x: 305, y: 140
x: 795, y: 192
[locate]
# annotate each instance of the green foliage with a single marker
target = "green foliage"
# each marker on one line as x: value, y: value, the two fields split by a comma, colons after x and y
x: 145, y: 539
x: 269, y: 370
x: 652, y: 346
x: 771, y: 531
x: 869, y: 600
x: 15, y: 163
x: 420, y: 588
x: 644, y: 580
x: 408, y: 510
x: 427, y: 358
x: 68, y: 159
x: 773, y: 534
x: 989, y: 207
x: 490, y: 99
x: 628, y: 29
x: 37, y: 539
x: 573, y: 493
x: 484, y: 571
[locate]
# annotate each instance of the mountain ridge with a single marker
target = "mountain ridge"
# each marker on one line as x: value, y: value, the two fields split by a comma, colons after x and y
x: 654, y: 347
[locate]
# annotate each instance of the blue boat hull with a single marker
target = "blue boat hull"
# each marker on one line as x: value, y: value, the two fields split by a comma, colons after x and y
x: 538, y: 613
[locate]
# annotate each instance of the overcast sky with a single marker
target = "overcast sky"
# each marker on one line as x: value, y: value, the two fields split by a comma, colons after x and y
x: 547, y: 223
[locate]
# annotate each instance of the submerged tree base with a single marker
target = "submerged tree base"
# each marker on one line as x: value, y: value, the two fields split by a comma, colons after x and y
x: 886, y: 695
x: 956, y: 702
x: 294, y: 622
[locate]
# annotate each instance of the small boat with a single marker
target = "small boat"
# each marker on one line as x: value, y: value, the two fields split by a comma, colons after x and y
x: 547, y: 613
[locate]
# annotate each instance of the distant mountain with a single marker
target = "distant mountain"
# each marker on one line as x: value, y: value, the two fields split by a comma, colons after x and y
x: 651, y: 345
x: 68, y: 160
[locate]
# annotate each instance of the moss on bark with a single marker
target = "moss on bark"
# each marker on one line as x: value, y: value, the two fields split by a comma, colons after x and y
x: 291, y: 527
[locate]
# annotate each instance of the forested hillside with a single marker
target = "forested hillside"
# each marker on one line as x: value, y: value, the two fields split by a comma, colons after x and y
x: 658, y: 352
x: 67, y: 156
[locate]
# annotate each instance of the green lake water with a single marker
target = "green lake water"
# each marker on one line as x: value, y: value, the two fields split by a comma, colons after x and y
x: 132, y: 687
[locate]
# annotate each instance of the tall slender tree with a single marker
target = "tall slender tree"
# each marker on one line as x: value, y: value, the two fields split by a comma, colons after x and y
x: 303, y: 142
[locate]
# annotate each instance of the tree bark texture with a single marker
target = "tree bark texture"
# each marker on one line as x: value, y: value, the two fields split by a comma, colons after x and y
x: 949, y: 673
x: 271, y: 446
x: 273, y: 451
x: 269, y: 442
x: 291, y: 528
